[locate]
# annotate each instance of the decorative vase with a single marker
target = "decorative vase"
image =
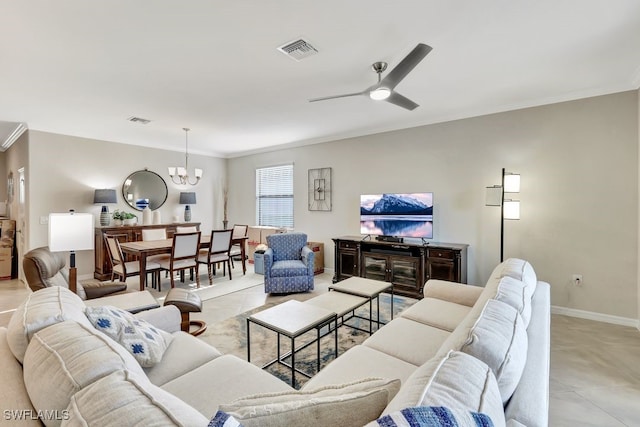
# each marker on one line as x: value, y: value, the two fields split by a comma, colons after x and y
x: 187, y: 213
x: 147, y: 216
x: 117, y: 222
x: 157, y: 217
x: 105, y: 217
x: 130, y: 221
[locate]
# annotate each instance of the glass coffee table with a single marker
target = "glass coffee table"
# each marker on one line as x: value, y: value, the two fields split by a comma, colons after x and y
x: 293, y: 319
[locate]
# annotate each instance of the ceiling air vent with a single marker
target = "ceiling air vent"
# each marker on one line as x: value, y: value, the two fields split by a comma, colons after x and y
x: 140, y: 120
x: 298, y: 49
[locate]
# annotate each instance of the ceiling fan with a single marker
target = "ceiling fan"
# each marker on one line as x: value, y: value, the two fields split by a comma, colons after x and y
x: 384, y: 89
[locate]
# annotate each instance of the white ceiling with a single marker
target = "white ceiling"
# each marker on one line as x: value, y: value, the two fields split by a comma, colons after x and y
x: 81, y: 68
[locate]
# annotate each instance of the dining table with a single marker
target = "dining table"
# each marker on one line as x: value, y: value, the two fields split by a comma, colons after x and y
x: 145, y: 248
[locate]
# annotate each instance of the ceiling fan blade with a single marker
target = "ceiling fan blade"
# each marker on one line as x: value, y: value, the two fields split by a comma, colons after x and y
x: 405, y: 66
x: 401, y: 101
x: 336, y: 96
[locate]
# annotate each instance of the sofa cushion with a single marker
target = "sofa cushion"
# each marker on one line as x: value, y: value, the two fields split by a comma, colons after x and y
x: 41, y: 309
x: 66, y: 357
x: 457, y: 381
x: 351, y: 404
x: 408, y: 340
x: 288, y: 268
x: 432, y: 416
x: 145, y: 342
x: 438, y: 313
x: 498, y: 338
x: 13, y: 393
x: 124, y: 398
x: 184, y: 354
x: 223, y: 379
x: 361, y: 362
x: 459, y: 293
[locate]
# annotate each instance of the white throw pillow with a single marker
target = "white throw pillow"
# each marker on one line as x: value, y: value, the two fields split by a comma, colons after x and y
x: 145, y: 342
x: 518, y: 269
x: 457, y: 381
x: 124, y: 398
x: 515, y: 293
x: 66, y: 357
x: 43, y: 308
x: 352, y: 404
x: 499, y: 339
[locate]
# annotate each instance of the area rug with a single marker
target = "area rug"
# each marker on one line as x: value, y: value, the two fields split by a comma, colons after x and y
x: 230, y: 337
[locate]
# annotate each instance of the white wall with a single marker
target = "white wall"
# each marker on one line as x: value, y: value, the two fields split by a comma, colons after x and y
x: 64, y: 171
x: 579, y: 198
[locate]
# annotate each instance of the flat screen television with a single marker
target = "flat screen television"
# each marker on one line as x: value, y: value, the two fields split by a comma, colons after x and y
x: 398, y: 215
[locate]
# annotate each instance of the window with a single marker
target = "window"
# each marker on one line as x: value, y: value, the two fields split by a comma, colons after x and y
x: 274, y: 196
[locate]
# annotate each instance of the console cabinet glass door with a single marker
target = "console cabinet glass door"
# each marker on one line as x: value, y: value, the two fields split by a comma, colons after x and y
x: 404, y: 271
x: 375, y: 267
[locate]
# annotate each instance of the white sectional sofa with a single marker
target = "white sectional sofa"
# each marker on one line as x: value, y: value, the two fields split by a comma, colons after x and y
x: 471, y: 349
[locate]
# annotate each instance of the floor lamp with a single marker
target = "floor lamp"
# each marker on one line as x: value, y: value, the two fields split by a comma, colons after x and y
x: 509, y: 208
x: 71, y: 232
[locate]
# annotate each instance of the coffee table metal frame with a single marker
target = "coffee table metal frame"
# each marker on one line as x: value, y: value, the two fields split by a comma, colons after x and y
x: 278, y: 320
x: 365, y: 288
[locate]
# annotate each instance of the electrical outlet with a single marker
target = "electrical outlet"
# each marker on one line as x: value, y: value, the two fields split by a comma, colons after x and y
x: 44, y: 220
x: 577, y: 279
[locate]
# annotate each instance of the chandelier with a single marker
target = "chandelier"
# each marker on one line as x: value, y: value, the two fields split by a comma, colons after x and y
x: 179, y: 175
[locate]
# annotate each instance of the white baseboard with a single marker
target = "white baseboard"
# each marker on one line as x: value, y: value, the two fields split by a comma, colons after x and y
x: 599, y: 317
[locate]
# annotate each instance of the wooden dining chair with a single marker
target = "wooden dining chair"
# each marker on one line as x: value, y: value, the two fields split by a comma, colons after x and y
x: 184, y: 255
x: 124, y: 269
x: 238, y: 231
x: 218, y: 252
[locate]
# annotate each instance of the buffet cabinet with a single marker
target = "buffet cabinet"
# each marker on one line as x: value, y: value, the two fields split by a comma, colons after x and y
x: 128, y: 233
x: 407, y: 265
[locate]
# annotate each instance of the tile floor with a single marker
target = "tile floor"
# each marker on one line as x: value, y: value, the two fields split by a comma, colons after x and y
x: 595, y: 367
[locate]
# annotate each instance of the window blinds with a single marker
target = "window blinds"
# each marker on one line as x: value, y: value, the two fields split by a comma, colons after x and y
x: 274, y: 196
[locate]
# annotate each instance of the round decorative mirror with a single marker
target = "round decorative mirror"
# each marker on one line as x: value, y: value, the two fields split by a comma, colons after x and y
x: 144, y: 188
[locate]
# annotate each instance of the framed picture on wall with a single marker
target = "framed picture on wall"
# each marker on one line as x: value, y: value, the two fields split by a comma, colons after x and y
x: 319, y: 183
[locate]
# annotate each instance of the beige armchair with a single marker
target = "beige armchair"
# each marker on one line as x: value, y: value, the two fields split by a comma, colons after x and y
x: 43, y: 268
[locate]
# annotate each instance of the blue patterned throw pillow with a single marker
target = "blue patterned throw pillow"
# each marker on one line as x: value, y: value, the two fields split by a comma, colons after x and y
x: 431, y: 416
x: 145, y: 342
x: 222, y: 419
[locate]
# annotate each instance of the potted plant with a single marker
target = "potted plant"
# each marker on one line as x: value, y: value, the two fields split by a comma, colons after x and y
x: 117, y: 217
x: 129, y: 219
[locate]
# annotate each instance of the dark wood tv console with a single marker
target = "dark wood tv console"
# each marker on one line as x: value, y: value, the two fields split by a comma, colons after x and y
x: 407, y: 265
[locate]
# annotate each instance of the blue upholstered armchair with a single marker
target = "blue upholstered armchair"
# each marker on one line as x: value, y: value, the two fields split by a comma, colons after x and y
x: 288, y: 264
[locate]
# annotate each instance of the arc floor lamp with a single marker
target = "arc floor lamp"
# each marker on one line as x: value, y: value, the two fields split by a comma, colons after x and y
x: 509, y: 208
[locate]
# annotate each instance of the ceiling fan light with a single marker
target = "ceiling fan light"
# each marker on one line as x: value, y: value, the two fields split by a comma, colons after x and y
x: 380, y: 93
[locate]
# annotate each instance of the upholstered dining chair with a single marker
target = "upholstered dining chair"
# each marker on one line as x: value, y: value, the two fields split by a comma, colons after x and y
x: 184, y: 255
x: 288, y: 264
x: 150, y: 234
x: 238, y: 231
x: 122, y: 268
x: 43, y: 269
x: 218, y: 252
x: 186, y: 229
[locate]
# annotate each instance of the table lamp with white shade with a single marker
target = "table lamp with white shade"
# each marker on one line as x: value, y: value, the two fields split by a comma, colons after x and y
x: 71, y: 232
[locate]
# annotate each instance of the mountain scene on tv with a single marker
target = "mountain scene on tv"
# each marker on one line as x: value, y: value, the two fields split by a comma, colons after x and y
x: 406, y: 215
